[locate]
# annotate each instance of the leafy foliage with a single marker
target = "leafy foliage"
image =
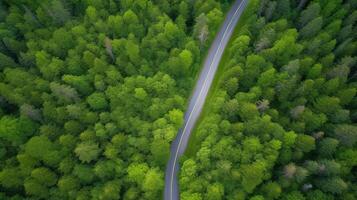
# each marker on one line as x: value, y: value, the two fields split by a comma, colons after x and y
x: 281, y: 122
x: 93, y: 92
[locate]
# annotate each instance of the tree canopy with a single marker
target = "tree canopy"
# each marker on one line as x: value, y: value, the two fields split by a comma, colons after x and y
x: 281, y: 120
x: 93, y: 92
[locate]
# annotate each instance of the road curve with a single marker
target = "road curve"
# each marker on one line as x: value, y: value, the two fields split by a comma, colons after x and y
x: 198, y: 98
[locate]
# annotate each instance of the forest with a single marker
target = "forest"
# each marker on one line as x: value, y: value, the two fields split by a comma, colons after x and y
x: 92, y: 92
x: 281, y: 121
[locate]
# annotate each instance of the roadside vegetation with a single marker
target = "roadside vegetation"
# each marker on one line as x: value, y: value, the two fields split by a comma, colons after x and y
x: 280, y: 121
x: 92, y: 93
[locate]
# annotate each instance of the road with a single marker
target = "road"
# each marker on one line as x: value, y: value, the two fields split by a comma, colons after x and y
x: 198, y: 98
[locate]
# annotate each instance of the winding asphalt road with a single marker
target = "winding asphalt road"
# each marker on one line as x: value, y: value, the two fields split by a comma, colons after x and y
x: 198, y: 98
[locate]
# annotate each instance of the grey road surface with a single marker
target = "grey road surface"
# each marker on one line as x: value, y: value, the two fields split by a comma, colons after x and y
x: 198, y: 98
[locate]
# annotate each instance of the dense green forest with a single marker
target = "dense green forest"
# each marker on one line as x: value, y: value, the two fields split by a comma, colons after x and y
x: 92, y: 92
x: 281, y: 123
